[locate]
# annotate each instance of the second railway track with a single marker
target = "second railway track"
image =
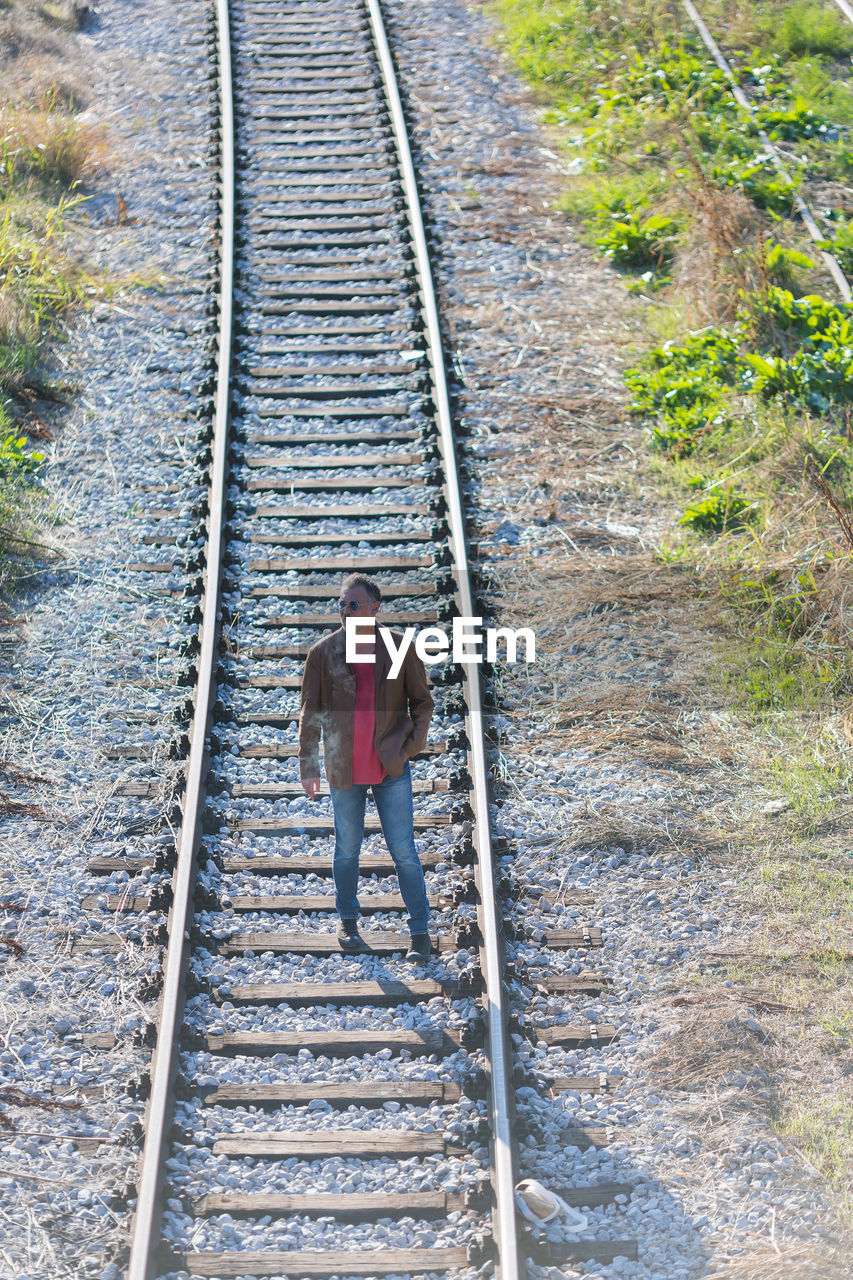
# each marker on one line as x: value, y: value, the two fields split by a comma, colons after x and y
x: 311, y: 1113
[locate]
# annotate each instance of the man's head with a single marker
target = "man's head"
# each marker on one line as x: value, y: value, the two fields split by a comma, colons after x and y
x: 360, y: 597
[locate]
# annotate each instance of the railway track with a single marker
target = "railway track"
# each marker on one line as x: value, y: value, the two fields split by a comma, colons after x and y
x: 310, y: 1113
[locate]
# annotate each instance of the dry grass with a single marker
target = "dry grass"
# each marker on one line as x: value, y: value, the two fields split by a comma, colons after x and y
x: 714, y: 1046
x: 609, y: 826
x: 41, y: 138
x: 10, y: 1096
x: 16, y: 949
x: 11, y: 808
x: 785, y: 1262
x: 37, y: 54
x: 789, y: 966
x: 15, y: 773
x: 629, y: 667
x: 721, y: 255
x: 44, y: 152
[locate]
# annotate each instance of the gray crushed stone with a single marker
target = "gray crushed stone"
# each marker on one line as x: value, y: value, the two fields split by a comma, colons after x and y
x: 91, y: 659
x: 531, y: 318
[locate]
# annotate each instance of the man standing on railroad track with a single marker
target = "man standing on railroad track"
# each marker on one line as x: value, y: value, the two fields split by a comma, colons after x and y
x: 371, y: 724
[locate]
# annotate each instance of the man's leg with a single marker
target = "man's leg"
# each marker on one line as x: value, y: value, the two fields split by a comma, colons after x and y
x: 393, y: 798
x: 348, y: 808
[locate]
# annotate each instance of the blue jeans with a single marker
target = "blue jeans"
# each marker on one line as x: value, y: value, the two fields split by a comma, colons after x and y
x: 393, y: 797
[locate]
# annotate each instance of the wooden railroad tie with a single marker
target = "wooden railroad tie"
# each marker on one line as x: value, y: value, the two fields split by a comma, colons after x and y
x: 560, y: 983
x: 276, y: 790
x: 299, y: 539
x: 379, y: 943
x: 319, y: 944
x: 361, y: 511
x: 362, y: 1093
x: 285, y: 904
x: 387, y: 992
x: 347, y: 1205
x: 336, y: 1044
x: 349, y: 411
x: 300, y: 994
x: 577, y: 1036
x: 297, y: 1265
x: 322, y: 484
x: 364, y: 1144
x: 403, y: 618
x: 329, y: 437
x: 321, y: 864
x: 288, y: 750
x: 335, y: 564
x: 295, y: 591
x: 601, y: 1083
x: 320, y: 461
x: 380, y: 1204
x: 368, y: 1093
x: 569, y: 939
x: 289, y: 864
x: 323, y: 824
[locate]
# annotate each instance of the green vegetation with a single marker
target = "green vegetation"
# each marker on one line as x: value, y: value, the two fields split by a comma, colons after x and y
x: 814, y: 28
x: 823, y: 1130
x: 748, y: 416
x: 42, y: 153
x: 745, y: 389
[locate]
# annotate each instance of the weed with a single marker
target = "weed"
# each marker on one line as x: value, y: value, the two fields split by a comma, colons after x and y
x: 43, y: 151
x: 633, y: 240
x: 722, y: 510
x: 812, y: 785
x: 841, y: 246
x: 43, y: 140
x: 792, y: 122
x: 823, y: 1130
x: 809, y: 27
x: 16, y: 460
x: 840, y: 1026
x: 781, y: 265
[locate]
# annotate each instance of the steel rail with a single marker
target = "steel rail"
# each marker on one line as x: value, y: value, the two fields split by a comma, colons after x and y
x: 160, y: 1104
x: 838, y: 276
x: 500, y: 1103
x: 158, y: 1116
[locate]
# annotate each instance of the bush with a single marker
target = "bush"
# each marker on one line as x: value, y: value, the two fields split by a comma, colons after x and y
x: 811, y: 356
x: 781, y: 264
x: 810, y: 27
x: 43, y: 140
x: 791, y: 123
x: 760, y: 182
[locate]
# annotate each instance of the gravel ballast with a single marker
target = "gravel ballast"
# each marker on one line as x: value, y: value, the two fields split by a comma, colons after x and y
x: 92, y: 656
x: 537, y: 326
x: 91, y: 667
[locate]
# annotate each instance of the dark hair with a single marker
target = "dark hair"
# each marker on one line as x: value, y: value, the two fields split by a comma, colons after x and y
x: 360, y: 580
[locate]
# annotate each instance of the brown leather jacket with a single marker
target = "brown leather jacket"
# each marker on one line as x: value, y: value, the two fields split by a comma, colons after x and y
x: 403, y: 710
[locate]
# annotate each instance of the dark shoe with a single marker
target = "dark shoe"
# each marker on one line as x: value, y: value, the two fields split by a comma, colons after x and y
x: 420, y: 947
x: 349, y: 936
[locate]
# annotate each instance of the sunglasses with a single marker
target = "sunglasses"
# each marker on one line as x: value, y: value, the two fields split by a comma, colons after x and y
x: 352, y: 606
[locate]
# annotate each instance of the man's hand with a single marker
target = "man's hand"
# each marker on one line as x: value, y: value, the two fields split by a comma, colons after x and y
x: 311, y: 787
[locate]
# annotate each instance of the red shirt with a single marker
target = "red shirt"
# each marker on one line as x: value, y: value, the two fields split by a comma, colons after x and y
x: 366, y: 765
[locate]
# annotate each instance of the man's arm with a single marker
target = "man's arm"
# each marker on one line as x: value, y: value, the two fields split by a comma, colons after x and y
x: 420, y: 701
x: 310, y: 726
